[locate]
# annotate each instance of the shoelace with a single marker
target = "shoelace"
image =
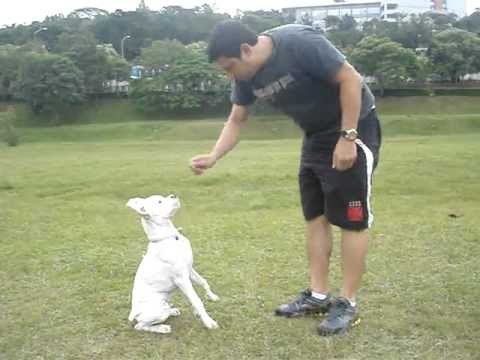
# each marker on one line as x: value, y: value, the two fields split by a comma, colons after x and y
x: 301, y: 299
x: 337, y: 310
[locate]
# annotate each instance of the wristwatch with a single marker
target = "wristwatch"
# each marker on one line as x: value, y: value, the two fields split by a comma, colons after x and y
x: 349, y: 134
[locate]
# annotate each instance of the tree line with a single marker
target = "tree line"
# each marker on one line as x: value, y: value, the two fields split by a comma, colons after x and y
x: 63, y: 60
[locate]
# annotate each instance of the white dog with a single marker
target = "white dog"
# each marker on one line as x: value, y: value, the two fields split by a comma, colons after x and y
x: 166, y: 266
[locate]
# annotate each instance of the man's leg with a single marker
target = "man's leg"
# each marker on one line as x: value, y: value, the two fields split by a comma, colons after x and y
x: 354, y: 253
x: 319, y: 249
x: 344, y: 312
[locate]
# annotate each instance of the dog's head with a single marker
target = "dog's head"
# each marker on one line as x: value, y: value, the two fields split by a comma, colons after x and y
x: 155, y: 206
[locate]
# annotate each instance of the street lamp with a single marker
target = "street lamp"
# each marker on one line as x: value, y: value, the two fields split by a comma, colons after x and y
x: 122, y: 45
x: 39, y: 30
x: 35, y: 35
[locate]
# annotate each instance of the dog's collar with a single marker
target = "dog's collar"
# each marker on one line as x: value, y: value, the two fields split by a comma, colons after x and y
x: 176, y: 236
x: 164, y: 229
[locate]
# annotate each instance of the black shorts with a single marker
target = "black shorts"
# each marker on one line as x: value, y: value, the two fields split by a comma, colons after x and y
x: 342, y: 196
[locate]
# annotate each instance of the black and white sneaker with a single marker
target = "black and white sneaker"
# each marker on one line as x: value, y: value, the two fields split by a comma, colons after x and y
x: 341, y: 317
x: 305, y: 304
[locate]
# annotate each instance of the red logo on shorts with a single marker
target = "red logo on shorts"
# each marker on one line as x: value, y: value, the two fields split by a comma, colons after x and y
x: 355, y: 211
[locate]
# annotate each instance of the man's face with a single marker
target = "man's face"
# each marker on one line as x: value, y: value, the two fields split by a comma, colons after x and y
x: 235, y: 68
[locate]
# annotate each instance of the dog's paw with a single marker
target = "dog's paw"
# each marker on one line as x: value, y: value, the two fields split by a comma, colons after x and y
x: 213, y: 296
x: 162, y: 329
x: 210, y: 324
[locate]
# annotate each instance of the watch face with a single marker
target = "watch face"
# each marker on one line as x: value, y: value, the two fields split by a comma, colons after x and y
x: 350, y: 134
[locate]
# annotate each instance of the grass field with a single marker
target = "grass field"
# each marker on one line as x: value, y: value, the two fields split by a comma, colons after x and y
x: 69, y: 248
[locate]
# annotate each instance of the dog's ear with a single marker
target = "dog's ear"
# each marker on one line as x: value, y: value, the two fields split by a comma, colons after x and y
x: 137, y: 204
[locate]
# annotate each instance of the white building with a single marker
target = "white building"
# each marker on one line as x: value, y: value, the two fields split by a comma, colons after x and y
x: 391, y: 9
x: 360, y: 10
x: 365, y: 10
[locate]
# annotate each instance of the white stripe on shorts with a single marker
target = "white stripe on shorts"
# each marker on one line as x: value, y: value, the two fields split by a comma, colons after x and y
x: 369, y: 158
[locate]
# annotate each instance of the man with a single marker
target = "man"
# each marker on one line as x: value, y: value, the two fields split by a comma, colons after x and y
x: 298, y: 71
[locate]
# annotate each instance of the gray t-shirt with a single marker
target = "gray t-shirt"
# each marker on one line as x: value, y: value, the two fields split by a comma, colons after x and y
x: 298, y: 80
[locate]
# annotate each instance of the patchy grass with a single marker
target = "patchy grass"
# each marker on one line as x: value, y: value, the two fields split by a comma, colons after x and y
x: 69, y: 248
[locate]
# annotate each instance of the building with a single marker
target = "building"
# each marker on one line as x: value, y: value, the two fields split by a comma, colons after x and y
x: 438, y: 5
x: 365, y: 10
x: 392, y: 9
x: 360, y: 10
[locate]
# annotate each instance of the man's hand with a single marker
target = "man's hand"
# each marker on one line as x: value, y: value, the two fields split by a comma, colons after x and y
x: 200, y: 163
x: 344, y: 155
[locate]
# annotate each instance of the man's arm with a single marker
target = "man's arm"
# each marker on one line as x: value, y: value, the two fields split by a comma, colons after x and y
x: 227, y: 140
x: 350, y: 83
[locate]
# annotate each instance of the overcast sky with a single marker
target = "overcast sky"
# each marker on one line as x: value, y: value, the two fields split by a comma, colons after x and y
x: 26, y: 11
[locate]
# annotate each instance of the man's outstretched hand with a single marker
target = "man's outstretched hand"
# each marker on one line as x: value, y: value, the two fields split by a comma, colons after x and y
x: 200, y: 163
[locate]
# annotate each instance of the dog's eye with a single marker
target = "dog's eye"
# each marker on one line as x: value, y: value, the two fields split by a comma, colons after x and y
x: 159, y: 201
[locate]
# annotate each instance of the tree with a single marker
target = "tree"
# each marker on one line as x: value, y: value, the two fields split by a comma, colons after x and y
x: 118, y: 68
x: 144, y: 26
x: 412, y: 31
x: 442, y: 21
x: 162, y: 54
x: 56, y: 26
x: 111, y: 29
x: 16, y: 34
x: 455, y: 53
x: 423, y: 68
x: 9, y: 62
x: 262, y: 20
x: 98, y: 63
x: 470, y: 23
x: 187, y: 25
x: 384, y: 59
x: 89, y: 13
x: 50, y: 84
x: 190, y: 83
x: 343, y: 31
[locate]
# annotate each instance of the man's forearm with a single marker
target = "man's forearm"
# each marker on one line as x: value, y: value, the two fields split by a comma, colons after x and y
x: 350, y: 82
x: 228, y: 138
x: 350, y: 101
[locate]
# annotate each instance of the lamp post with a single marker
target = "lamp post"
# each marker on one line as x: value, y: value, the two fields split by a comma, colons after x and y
x: 35, y: 33
x: 122, y: 45
x: 39, y: 30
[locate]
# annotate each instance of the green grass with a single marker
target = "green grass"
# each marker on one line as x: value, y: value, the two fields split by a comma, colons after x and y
x: 115, y: 120
x: 438, y: 105
x: 69, y: 248
x: 260, y: 129
x: 109, y: 111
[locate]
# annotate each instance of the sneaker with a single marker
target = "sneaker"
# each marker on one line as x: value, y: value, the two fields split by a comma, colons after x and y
x: 305, y: 304
x: 340, y: 318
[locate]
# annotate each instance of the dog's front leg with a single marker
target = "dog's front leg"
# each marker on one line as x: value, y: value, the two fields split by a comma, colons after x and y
x: 197, y: 279
x: 186, y: 286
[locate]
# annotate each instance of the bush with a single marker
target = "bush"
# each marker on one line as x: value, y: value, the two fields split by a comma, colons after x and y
x: 189, y: 85
x: 50, y: 85
x: 7, y: 131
